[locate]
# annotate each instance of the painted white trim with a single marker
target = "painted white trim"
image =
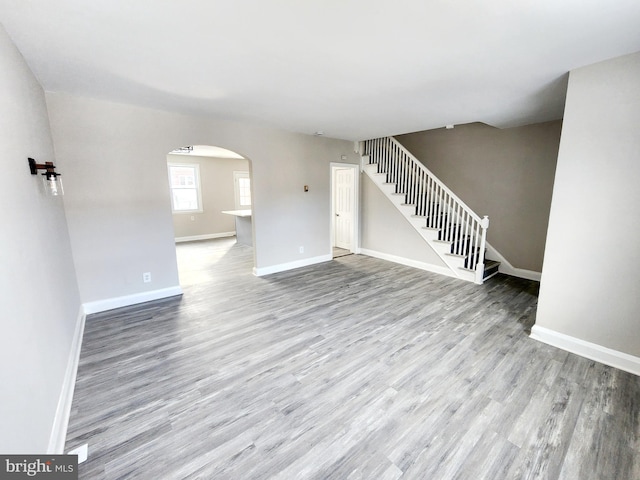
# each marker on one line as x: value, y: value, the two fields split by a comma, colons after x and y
x: 592, y: 351
x: 508, y: 269
x: 410, y: 263
x: 204, y: 237
x: 305, y: 262
x: 125, y: 301
x: 197, y: 187
x: 355, y: 233
x: 237, y: 175
x: 454, y: 263
x: 63, y: 410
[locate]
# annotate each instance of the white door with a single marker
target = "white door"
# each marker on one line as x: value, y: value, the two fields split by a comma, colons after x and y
x: 344, y: 205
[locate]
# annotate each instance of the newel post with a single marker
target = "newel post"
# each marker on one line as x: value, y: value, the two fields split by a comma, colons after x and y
x: 364, y: 160
x: 484, y: 224
x: 365, y: 153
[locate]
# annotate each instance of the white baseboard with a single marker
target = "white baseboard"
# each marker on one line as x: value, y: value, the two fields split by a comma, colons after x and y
x: 259, y: 272
x: 592, y: 351
x: 111, y: 303
x: 204, y: 237
x: 409, y: 262
x: 63, y: 410
x: 508, y: 269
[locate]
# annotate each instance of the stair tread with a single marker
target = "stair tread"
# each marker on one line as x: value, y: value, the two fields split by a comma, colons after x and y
x: 439, y: 219
x: 490, y: 268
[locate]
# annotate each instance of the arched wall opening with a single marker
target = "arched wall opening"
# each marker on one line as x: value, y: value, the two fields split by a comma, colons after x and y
x: 117, y: 200
x: 210, y: 190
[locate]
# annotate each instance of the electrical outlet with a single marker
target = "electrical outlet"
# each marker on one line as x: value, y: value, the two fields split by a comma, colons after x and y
x: 146, y: 277
x: 301, y: 249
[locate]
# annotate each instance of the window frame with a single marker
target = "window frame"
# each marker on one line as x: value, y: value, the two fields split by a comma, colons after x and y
x: 237, y: 175
x: 197, y: 187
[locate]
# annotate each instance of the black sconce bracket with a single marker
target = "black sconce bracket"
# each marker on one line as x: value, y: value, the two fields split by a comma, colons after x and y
x: 48, y: 166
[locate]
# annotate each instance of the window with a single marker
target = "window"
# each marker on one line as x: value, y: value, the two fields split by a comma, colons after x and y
x: 184, y: 182
x: 242, y: 183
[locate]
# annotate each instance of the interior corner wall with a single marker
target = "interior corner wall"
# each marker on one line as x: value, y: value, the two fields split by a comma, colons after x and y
x: 506, y: 174
x: 218, y: 193
x: 590, y: 286
x: 39, y: 297
x: 117, y: 190
x: 385, y: 230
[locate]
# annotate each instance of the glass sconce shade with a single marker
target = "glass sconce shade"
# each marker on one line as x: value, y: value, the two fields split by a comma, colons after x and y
x: 51, y: 180
x: 52, y: 185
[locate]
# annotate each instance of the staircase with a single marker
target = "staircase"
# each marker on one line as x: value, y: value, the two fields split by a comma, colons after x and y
x: 449, y: 226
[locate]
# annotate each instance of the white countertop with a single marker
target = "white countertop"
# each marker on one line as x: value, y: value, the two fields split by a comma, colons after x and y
x: 238, y: 213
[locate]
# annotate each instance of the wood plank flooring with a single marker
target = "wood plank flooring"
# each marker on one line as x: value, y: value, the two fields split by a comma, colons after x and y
x: 353, y: 369
x: 340, y: 252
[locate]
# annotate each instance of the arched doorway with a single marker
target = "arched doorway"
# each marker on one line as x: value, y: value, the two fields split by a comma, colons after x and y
x: 211, y: 203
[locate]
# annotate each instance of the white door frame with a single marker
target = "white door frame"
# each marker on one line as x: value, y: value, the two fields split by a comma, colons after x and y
x: 355, y: 234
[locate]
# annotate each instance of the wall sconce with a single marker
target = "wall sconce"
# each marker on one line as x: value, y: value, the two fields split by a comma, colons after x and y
x: 51, y: 181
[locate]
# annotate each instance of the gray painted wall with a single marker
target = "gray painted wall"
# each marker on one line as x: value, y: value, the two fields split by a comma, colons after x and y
x: 118, y: 205
x: 39, y: 300
x: 590, y: 287
x: 385, y: 230
x: 218, y: 193
x: 506, y: 174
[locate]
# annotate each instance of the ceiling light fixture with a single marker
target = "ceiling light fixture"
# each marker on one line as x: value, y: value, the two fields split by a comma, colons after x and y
x: 183, y: 150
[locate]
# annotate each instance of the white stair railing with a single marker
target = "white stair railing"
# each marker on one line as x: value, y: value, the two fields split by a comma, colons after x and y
x: 443, y: 211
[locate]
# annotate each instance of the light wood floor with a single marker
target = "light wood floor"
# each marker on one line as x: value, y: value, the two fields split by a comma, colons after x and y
x: 353, y: 369
x: 340, y: 252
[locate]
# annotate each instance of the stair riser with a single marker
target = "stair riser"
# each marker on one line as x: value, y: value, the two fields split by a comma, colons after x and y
x: 443, y: 249
x: 490, y: 272
x: 433, y: 224
x: 417, y: 223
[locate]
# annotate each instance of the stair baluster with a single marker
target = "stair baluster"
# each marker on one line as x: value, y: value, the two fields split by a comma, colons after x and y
x: 442, y: 210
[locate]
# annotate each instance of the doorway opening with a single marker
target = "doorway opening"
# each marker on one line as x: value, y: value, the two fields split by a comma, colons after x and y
x: 211, y: 203
x: 344, y: 209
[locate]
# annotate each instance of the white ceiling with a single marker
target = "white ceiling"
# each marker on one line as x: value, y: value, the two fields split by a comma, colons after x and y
x: 354, y: 69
